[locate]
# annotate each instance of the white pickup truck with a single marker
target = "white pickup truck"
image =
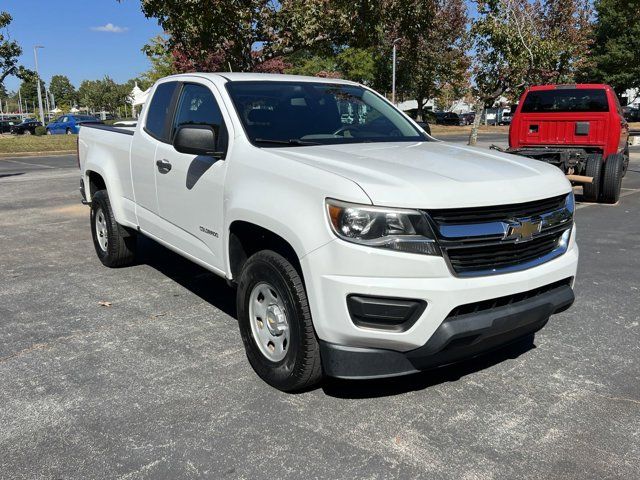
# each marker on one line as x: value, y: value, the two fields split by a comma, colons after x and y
x: 360, y: 247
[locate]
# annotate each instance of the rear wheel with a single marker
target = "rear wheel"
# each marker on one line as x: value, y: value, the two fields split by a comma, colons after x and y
x: 68, y: 131
x: 612, y: 179
x: 593, y: 168
x: 115, y: 245
x: 48, y: 132
x: 27, y: 132
x: 275, y: 323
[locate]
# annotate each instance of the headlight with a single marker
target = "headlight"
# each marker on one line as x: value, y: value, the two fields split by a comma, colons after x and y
x: 570, y: 202
x: 395, y: 229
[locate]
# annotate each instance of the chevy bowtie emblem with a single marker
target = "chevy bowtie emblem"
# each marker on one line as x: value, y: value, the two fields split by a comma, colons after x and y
x: 524, y: 230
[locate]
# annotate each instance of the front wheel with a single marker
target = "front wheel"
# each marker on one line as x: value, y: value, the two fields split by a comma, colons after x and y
x: 114, y: 244
x: 49, y: 132
x: 69, y: 131
x: 275, y: 323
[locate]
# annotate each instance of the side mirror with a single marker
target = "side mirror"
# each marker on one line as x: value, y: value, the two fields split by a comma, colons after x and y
x: 197, y: 140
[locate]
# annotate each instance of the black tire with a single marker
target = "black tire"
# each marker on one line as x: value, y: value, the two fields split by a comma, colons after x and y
x: 301, y: 367
x: 27, y: 132
x: 612, y: 178
x: 68, y: 131
x: 120, y: 242
x: 593, y: 168
x: 49, y: 132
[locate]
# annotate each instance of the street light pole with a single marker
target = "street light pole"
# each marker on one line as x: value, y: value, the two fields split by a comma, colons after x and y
x: 35, y: 54
x: 393, y: 75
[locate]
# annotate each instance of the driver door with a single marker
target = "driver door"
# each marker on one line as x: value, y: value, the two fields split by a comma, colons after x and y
x: 190, y: 188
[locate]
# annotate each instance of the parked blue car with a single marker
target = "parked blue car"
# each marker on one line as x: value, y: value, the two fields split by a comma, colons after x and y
x: 70, y: 124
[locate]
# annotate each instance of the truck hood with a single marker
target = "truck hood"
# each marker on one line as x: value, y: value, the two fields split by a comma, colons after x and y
x: 435, y: 174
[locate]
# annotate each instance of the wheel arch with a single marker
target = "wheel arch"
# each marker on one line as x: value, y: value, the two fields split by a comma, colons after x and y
x: 95, y: 182
x: 246, y: 238
x: 96, y: 178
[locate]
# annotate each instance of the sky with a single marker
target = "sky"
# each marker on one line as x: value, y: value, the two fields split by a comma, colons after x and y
x: 83, y: 39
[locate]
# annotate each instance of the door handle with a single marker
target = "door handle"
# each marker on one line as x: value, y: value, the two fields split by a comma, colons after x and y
x: 163, y: 166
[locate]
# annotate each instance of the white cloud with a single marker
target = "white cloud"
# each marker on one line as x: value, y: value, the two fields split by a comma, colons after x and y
x: 110, y: 28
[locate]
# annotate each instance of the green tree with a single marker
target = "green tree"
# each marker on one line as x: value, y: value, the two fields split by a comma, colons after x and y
x: 254, y: 35
x: 105, y: 94
x: 523, y: 42
x: 358, y: 64
x: 615, y: 52
x: 29, y: 88
x: 10, y: 51
x: 62, y: 89
x: 432, y: 44
x: 313, y: 65
x: 162, y: 61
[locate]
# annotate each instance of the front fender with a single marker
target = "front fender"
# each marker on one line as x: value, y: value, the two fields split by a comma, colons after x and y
x: 285, y: 197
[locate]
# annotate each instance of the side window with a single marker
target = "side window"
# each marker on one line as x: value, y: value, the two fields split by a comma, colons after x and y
x: 65, y: 120
x: 159, y: 110
x: 198, y: 106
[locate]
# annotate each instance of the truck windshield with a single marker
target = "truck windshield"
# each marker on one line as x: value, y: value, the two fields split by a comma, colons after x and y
x: 566, y: 100
x: 277, y: 114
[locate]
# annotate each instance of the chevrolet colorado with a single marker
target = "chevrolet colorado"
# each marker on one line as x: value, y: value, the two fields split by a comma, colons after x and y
x: 360, y: 246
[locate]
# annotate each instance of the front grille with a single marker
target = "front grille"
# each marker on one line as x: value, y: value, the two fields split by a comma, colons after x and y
x: 501, y: 255
x: 459, y: 216
x: 485, y: 241
x: 490, y: 304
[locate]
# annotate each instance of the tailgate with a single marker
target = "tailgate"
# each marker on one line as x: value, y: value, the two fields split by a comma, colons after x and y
x: 584, y: 129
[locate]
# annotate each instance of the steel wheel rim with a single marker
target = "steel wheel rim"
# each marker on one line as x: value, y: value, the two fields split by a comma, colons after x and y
x: 269, y: 323
x: 101, y: 230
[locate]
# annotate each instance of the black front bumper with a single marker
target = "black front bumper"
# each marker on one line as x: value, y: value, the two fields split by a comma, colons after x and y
x: 459, y: 337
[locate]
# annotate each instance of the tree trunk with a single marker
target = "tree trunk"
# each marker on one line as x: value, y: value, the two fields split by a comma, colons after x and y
x: 473, y: 136
x: 420, y: 112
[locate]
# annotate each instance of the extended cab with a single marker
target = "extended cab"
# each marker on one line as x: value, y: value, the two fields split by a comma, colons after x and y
x: 360, y: 247
x: 580, y: 129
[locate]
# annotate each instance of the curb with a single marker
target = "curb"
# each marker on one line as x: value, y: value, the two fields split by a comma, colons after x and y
x: 53, y: 153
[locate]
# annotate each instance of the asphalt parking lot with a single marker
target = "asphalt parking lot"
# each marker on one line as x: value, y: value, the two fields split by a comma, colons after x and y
x: 155, y: 384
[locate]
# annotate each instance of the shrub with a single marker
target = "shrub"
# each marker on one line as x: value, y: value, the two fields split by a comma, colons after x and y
x: 40, y: 131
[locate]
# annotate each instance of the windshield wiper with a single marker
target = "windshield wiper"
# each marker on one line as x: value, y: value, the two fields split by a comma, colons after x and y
x: 291, y: 141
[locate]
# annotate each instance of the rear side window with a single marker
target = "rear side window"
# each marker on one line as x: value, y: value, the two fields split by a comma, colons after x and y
x: 159, y: 110
x: 566, y: 100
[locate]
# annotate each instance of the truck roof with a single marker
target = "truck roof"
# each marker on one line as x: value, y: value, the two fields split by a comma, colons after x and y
x: 268, y: 77
x: 567, y: 86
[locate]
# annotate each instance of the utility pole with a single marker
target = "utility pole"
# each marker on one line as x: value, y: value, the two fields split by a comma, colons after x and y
x: 35, y: 54
x: 393, y: 75
x: 20, y: 104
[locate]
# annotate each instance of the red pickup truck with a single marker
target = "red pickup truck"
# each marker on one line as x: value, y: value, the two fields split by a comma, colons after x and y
x: 579, y: 128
